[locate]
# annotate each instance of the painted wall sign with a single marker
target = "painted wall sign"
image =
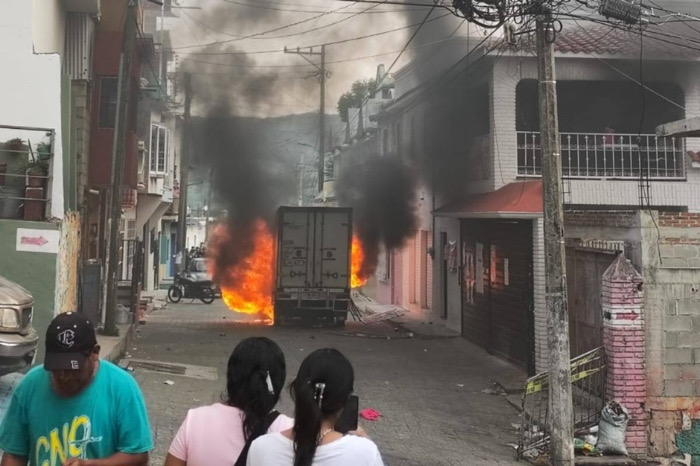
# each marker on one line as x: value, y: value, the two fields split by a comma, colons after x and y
x: 30, y: 240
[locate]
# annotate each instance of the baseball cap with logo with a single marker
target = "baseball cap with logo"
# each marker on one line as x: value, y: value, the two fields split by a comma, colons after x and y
x: 69, y: 339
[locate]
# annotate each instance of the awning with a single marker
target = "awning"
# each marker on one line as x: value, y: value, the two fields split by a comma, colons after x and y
x: 514, y: 200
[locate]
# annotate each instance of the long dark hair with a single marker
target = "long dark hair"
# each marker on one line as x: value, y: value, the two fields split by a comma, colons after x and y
x: 324, y: 366
x: 246, y: 384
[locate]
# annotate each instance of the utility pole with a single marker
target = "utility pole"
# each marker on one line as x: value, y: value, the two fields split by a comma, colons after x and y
x: 208, y: 210
x: 118, y: 154
x: 322, y: 122
x: 560, y: 400
x: 322, y: 75
x: 184, y: 174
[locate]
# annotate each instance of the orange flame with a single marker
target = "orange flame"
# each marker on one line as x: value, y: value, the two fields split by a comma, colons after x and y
x: 252, y: 278
x: 357, y: 258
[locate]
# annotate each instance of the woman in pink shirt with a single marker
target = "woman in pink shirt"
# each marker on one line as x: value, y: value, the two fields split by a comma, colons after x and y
x: 218, y: 434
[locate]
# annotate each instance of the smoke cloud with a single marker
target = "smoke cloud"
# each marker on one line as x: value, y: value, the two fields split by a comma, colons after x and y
x: 382, y: 193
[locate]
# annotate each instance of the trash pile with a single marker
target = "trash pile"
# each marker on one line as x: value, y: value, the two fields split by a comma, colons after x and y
x: 605, y: 439
x: 608, y: 437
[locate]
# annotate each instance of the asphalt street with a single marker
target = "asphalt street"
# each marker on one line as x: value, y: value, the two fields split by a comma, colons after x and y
x: 428, y: 388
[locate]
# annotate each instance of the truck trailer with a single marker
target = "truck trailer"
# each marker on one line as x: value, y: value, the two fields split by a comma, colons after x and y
x: 313, y: 264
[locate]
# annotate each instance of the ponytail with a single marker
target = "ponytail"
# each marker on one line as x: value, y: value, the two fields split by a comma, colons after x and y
x: 255, y: 378
x: 320, y: 391
x: 307, y: 422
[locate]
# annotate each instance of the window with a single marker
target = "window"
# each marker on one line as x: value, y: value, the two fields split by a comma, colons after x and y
x: 159, y: 149
x: 108, y: 102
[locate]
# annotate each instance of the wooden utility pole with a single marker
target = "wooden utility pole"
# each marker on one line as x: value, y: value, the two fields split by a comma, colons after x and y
x: 118, y: 155
x: 322, y: 122
x: 184, y: 175
x: 560, y: 420
x: 322, y: 76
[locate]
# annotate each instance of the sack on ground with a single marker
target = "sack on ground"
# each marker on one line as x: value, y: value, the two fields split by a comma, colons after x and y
x: 611, y: 432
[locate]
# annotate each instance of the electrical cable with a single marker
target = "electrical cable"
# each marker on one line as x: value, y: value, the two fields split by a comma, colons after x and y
x: 261, y: 32
x: 381, y: 79
x: 310, y: 11
x: 346, y: 60
x: 313, y: 29
x: 340, y: 41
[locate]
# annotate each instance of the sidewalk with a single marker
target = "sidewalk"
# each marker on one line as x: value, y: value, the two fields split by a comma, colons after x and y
x: 112, y: 348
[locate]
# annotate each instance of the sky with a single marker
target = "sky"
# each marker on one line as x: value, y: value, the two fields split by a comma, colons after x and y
x: 221, y: 23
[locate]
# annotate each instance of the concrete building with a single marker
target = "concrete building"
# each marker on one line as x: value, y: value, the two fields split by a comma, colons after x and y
x: 44, y: 123
x: 472, y: 131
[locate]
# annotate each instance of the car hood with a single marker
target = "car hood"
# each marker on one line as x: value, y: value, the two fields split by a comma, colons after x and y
x: 13, y: 294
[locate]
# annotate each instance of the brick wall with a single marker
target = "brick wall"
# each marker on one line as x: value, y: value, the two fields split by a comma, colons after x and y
x: 624, y: 341
x: 682, y: 219
x: 603, y: 218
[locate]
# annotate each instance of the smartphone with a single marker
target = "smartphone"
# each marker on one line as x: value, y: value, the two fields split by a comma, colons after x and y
x: 348, y: 418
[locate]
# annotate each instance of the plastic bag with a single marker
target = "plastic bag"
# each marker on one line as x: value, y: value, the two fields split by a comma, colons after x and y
x: 611, y: 432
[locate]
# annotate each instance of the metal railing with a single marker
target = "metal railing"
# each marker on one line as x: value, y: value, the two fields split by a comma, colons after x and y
x: 588, y: 393
x: 25, y: 162
x: 607, y: 155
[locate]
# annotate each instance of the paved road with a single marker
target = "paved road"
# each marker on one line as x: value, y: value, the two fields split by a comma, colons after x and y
x: 428, y: 388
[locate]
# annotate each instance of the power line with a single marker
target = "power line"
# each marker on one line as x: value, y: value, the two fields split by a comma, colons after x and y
x: 261, y: 32
x: 340, y: 41
x: 379, y: 82
x: 310, y: 11
x: 346, y: 60
x: 353, y: 15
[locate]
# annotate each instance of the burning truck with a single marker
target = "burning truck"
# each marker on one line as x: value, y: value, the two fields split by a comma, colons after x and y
x: 313, y: 266
x: 304, y: 271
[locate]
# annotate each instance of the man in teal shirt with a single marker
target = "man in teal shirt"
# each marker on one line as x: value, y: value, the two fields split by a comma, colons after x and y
x: 76, y: 410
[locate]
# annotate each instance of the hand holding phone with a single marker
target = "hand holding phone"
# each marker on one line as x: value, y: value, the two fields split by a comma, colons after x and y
x: 348, y: 418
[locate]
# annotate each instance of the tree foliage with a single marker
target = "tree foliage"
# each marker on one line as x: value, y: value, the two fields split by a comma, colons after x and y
x: 354, y: 98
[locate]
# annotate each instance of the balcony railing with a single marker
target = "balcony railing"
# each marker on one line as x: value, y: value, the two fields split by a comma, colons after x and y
x: 604, y: 155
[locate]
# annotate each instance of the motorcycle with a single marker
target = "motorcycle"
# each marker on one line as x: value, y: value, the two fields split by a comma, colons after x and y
x: 184, y: 287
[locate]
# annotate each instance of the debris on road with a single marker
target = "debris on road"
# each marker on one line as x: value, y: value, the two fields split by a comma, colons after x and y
x: 495, y: 389
x: 169, y: 382
x: 370, y: 414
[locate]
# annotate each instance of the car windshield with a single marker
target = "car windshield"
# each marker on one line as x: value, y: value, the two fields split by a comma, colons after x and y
x: 198, y: 265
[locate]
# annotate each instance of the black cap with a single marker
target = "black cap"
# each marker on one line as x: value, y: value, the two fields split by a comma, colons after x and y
x: 69, y: 339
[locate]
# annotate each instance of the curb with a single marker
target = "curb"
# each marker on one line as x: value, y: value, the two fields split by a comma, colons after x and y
x: 120, y: 348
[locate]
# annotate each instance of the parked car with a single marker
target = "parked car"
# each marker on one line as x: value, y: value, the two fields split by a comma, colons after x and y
x: 198, y: 270
x: 18, y: 339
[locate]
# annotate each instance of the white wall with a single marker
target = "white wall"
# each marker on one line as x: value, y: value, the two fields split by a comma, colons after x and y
x: 509, y: 70
x: 30, y: 85
x: 196, y: 232
x: 49, y: 26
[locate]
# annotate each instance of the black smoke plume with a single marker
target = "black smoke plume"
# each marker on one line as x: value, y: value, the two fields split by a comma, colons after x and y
x: 245, y: 178
x: 382, y: 193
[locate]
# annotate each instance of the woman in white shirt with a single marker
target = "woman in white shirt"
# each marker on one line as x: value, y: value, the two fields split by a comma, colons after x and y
x: 216, y: 435
x: 320, y: 392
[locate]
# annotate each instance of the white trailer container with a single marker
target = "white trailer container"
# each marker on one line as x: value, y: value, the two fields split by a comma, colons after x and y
x: 313, y: 264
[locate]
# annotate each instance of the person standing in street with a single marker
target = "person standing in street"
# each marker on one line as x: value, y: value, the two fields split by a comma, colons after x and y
x: 320, y: 392
x: 221, y: 434
x: 76, y: 409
